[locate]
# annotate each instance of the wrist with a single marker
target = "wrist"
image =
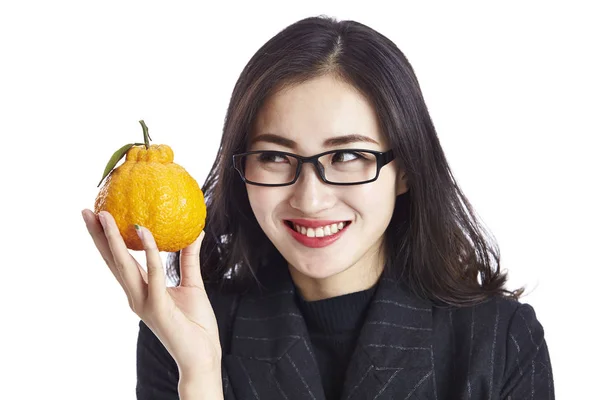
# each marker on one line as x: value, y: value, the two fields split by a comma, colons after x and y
x: 205, y: 385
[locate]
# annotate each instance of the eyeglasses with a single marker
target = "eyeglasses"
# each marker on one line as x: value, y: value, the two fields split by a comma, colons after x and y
x: 335, y: 167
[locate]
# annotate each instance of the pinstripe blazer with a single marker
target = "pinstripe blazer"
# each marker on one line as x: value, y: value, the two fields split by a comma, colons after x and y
x: 407, y: 349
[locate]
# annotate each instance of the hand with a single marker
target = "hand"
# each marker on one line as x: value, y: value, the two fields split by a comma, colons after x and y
x: 181, y: 317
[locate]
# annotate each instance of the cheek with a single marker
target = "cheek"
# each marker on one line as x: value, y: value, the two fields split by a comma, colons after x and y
x: 262, y: 201
x: 374, y: 202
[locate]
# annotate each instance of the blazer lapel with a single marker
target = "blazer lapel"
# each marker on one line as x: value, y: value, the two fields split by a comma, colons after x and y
x: 394, y: 354
x: 271, y: 355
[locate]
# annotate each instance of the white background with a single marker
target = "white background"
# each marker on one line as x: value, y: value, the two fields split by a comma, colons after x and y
x: 513, y: 89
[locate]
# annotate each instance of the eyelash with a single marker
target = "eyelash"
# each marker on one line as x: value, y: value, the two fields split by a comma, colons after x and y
x: 353, y: 153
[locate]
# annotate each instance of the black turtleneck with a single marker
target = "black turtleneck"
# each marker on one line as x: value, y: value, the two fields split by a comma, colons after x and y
x: 334, y: 325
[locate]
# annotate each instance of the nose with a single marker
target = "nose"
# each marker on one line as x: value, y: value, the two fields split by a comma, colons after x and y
x: 310, y: 195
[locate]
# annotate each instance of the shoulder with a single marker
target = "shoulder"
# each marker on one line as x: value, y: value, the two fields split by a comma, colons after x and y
x: 501, y: 336
x: 499, y: 315
x: 221, y: 298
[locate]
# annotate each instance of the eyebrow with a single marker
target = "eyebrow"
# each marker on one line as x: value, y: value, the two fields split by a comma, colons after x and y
x: 331, y: 142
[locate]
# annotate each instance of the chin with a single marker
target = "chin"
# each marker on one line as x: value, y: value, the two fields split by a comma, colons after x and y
x: 316, y: 270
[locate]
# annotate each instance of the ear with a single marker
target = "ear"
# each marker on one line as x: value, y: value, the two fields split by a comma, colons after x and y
x: 401, y: 183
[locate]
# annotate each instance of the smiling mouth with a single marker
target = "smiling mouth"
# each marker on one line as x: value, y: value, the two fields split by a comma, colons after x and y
x: 320, y: 231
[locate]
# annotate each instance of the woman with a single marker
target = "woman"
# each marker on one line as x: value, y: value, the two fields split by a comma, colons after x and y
x: 364, y: 275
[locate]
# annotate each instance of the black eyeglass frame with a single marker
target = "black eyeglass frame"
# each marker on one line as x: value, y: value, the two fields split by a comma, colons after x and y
x: 382, y: 158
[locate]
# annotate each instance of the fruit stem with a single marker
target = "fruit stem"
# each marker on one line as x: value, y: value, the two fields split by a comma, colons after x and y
x: 147, y: 137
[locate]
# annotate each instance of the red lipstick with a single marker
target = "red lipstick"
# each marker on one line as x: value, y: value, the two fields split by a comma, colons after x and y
x: 314, y: 242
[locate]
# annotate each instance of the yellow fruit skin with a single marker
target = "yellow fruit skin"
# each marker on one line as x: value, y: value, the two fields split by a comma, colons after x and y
x: 150, y: 190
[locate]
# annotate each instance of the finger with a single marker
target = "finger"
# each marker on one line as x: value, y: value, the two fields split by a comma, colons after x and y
x: 156, y: 274
x: 189, y: 264
x: 124, y: 263
x: 97, y: 233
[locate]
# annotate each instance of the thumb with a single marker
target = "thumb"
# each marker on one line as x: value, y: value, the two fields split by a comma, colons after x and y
x: 189, y: 264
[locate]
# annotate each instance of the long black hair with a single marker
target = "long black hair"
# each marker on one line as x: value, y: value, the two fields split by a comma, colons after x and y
x: 434, y: 241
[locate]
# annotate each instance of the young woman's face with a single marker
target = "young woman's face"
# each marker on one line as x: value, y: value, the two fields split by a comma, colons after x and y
x: 302, y: 120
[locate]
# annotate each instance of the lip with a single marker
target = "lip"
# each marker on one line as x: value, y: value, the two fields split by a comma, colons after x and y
x: 314, y: 242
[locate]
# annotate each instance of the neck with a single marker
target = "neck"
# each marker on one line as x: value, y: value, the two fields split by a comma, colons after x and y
x: 362, y: 275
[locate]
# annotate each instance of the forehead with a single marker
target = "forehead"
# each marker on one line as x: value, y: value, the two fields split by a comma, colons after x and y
x: 319, y: 109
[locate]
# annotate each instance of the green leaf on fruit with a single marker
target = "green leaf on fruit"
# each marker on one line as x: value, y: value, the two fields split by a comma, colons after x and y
x: 116, y: 157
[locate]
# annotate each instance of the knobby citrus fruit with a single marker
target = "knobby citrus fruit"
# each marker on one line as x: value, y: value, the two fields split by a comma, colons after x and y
x: 150, y: 190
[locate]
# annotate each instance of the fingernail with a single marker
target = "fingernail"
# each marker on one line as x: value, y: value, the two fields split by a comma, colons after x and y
x: 138, y: 230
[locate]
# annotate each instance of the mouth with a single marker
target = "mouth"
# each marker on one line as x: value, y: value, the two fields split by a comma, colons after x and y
x: 317, y: 229
x: 316, y: 234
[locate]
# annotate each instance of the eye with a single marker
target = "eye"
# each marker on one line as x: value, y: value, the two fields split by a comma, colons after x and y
x: 272, y: 158
x: 345, y: 156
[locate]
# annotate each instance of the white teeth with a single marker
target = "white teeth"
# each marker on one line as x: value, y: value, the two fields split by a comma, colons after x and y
x: 321, y: 231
